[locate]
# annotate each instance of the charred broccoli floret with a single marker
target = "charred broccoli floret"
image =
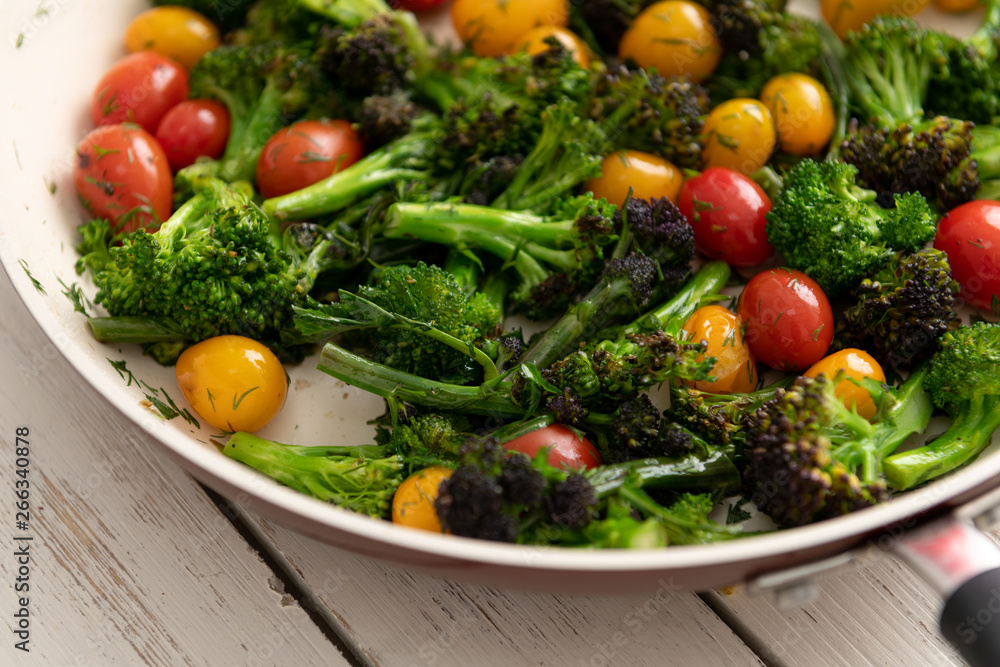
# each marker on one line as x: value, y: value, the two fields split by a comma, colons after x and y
x: 811, y: 458
x: 644, y: 111
x: 829, y: 227
x: 899, y: 313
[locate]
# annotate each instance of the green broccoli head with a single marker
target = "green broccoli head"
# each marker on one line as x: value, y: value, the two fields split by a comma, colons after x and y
x: 427, y: 293
x: 900, y: 312
x: 827, y: 226
x: 967, y: 367
x: 211, y: 269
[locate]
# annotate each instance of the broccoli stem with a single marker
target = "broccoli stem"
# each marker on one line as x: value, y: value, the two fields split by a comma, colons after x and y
x: 492, y: 398
x: 970, y: 432
x: 348, y: 13
x: 239, y: 162
x: 582, y: 321
x: 671, y: 315
x: 694, y: 471
x: 390, y: 164
x: 909, y: 413
x: 134, y: 329
x: 350, y: 477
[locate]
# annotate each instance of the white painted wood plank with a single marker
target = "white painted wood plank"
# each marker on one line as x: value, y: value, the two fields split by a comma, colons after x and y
x: 879, y: 614
x: 131, y: 563
x: 399, y: 618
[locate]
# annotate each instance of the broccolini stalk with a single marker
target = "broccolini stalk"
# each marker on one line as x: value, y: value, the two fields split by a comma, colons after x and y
x: 491, y: 398
x: 594, y: 311
x: 405, y: 159
x: 355, y: 478
x: 964, y: 379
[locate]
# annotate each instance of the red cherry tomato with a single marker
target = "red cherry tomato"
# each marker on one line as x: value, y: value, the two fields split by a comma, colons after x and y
x: 304, y: 153
x: 726, y: 210
x: 139, y: 88
x: 970, y: 236
x: 788, y: 318
x: 415, y: 5
x: 122, y: 174
x: 567, y: 449
x: 192, y: 129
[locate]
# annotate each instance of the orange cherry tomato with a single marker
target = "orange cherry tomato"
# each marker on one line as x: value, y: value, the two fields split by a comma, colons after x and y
x: 675, y: 37
x: 534, y: 42
x: 122, y: 174
x: 739, y: 134
x: 413, y: 502
x: 855, y: 364
x: 802, y: 111
x: 735, y: 369
x: 648, y: 175
x: 232, y: 382
x: 847, y: 15
x: 495, y: 27
x: 175, y: 32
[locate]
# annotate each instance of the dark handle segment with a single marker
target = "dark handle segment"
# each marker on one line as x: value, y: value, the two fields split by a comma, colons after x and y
x: 971, y: 619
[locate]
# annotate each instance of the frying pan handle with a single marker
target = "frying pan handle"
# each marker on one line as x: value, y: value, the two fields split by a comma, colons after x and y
x: 971, y: 619
x: 963, y: 564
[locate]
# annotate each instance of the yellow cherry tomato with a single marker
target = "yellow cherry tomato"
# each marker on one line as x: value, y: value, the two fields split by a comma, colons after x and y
x: 676, y: 38
x: 495, y: 27
x: 648, y: 175
x: 413, y: 502
x: 802, y: 112
x: 233, y: 383
x: 855, y: 364
x: 735, y: 369
x: 176, y: 32
x: 739, y: 134
x: 847, y: 15
x: 534, y: 42
x: 956, y: 5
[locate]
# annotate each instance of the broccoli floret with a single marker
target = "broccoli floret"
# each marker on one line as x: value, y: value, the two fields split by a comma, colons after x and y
x: 964, y: 380
x: 214, y: 267
x: 429, y: 294
x: 94, y: 249
x: 889, y: 67
x: 381, y: 54
x: 783, y: 44
x: 361, y: 479
x: 385, y: 118
x: 967, y: 84
x: 830, y: 228
x: 899, y: 313
x: 264, y: 87
x: 721, y: 418
x: 810, y: 458
x: 644, y: 111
